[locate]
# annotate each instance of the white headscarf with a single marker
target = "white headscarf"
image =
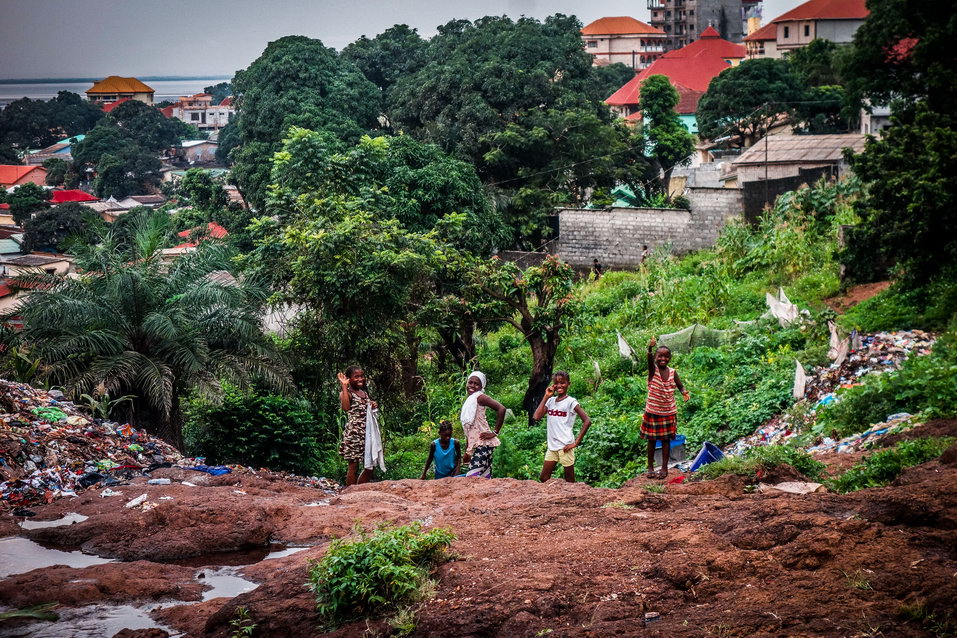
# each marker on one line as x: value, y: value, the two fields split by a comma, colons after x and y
x: 470, y: 407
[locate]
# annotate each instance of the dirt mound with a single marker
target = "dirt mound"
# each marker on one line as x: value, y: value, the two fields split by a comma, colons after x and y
x: 855, y: 295
x: 533, y: 559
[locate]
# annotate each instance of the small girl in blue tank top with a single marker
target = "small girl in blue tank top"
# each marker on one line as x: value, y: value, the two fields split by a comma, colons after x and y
x: 446, y: 453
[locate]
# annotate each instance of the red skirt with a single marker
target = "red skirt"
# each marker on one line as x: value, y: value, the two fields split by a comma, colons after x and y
x: 659, y: 426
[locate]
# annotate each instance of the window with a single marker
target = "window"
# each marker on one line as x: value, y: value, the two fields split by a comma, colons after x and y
x: 787, y: 32
x: 593, y: 44
x: 807, y: 30
x: 194, y: 117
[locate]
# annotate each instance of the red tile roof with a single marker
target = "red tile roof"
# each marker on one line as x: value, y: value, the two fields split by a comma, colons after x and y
x: 690, y: 70
x: 5, y: 290
x: 11, y: 173
x: 227, y: 101
x: 619, y: 25
x: 765, y: 33
x: 213, y: 231
x: 710, y: 32
x: 62, y: 196
x: 112, y: 105
x: 167, y: 111
x: 4, y: 206
x: 826, y: 10
x: 116, y: 84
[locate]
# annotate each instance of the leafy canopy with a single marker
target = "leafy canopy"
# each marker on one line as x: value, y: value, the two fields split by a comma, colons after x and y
x: 297, y: 81
x: 670, y: 143
x: 745, y: 100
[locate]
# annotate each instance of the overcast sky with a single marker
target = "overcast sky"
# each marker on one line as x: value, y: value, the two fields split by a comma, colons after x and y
x: 91, y: 38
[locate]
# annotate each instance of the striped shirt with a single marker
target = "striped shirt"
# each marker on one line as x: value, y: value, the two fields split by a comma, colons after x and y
x: 661, y: 394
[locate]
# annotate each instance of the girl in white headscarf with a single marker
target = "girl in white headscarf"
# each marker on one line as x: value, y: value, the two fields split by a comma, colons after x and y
x: 482, y: 440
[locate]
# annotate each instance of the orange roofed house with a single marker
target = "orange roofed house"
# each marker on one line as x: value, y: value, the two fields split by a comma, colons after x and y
x: 623, y: 39
x: 115, y: 88
x: 834, y: 20
x: 690, y: 70
x: 12, y: 175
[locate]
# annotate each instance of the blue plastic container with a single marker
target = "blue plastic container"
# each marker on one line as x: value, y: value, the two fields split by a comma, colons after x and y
x: 709, y: 454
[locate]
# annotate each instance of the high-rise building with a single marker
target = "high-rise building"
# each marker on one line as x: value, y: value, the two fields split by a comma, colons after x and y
x: 684, y: 20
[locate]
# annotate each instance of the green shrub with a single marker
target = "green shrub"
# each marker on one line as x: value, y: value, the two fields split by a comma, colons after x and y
x: 261, y: 431
x: 763, y: 459
x: 376, y: 573
x: 926, y: 384
x: 882, y: 467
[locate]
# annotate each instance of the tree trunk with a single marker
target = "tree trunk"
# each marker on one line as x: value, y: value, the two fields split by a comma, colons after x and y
x: 543, y: 358
x: 461, y: 344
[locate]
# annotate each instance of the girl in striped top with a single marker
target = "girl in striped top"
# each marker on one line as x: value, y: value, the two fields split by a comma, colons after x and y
x: 660, y: 422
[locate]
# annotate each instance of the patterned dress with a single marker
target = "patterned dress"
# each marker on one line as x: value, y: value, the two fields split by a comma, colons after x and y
x: 481, y: 450
x: 660, y: 421
x: 353, y: 444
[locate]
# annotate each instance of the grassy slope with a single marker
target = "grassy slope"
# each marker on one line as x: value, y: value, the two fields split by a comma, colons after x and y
x: 735, y: 387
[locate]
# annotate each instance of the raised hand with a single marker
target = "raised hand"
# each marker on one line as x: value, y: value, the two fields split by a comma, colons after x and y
x: 343, y: 379
x: 652, y: 343
x: 549, y: 391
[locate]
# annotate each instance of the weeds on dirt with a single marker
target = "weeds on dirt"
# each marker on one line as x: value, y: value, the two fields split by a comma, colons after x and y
x: 386, y: 571
x: 654, y: 488
x: 857, y: 580
x: 881, y: 468
x: 241, y: 625
x: 758, y: 460
x: 919, y: 612
x: 619, y: 505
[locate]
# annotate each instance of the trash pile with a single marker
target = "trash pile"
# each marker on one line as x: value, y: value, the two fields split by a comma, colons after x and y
x: 856, y: 442
x: 867, y: 354
x: 50, y: 449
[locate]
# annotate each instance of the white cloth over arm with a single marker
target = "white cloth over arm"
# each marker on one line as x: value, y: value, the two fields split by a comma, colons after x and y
x: 374, y: 452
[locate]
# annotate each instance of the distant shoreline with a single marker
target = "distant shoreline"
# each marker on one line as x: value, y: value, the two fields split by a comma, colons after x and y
x: 145, y: 78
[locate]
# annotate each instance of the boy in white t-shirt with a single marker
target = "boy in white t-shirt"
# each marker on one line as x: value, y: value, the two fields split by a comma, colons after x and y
x: 562, y: 411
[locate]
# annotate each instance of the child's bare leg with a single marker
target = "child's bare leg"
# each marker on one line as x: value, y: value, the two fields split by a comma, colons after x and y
x: 651, y: 460
x: 351, y: 473
x: 665, y: 457
x: 365, y: 477
x: 570, y: 474
x: 547, y: 468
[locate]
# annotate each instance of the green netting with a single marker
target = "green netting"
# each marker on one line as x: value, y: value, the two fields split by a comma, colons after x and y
x: 693, y: 336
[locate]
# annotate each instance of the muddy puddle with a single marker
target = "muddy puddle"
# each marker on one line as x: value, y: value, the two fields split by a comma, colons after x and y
x: 68, y: 519
x: 92, y: 621
x: 19, y: 555
x: 220, y: 572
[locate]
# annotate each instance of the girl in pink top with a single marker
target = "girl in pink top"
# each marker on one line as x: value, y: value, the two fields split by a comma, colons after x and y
x: 482, y: 440
x: 660, y: 422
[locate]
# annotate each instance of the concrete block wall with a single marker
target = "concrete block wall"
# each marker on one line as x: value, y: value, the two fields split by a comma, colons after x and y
x: 615, y: 236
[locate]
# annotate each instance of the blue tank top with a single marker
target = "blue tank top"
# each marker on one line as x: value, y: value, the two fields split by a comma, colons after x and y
x: 444, y: 459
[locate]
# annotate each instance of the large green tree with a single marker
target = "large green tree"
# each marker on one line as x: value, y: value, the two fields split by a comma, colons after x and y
x: 518, y: 99
x: 57, y: 229
x: 397, y: 52
x: 297, y: 81
x: 669, y: 142
x: 559, y: 157
x: 745, y: 100
x: 147, y: 126
x: 538, y: 302
x: 902, y: 56
x: 150, y: 329
x: 27, y: 123
x: 480, y: 76
x: 26, y: 200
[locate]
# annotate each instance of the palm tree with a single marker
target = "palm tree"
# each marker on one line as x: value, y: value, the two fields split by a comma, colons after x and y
x: 134, y: 324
